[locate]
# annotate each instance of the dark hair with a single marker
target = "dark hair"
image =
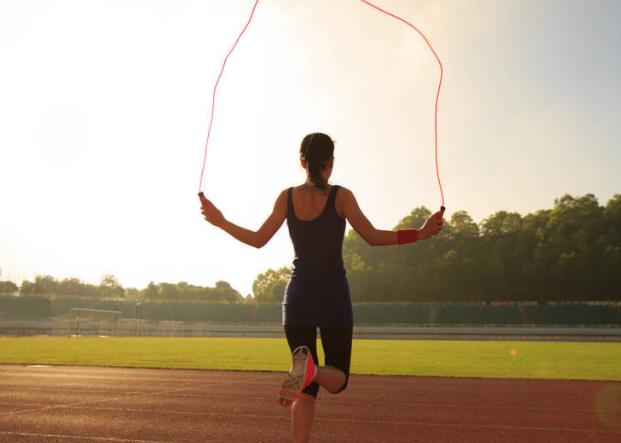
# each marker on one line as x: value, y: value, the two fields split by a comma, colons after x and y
x: 317, y: 149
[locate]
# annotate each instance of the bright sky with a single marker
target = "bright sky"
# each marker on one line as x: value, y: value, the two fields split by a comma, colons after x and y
x: 104, y: 107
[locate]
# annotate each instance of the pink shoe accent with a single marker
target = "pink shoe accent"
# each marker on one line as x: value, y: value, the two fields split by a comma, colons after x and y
x: 310, y: 372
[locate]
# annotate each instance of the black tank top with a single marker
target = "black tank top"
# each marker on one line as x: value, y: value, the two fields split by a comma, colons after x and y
x: 317, y: 243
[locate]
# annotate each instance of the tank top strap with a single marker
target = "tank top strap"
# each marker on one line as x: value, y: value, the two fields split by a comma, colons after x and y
x: 331, y: 203
x: 290, y: 201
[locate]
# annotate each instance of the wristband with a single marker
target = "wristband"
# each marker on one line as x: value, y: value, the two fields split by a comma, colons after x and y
x: 406, y: 236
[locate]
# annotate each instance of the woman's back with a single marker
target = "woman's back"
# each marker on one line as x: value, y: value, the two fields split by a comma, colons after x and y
x: 309, y: 202
x: 316, y: 230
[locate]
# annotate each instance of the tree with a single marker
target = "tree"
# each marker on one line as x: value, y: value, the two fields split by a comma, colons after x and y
x: 44, y: 285
x: 269, y: 287
x: 462, y: 226
x: 74, y: 286
x: 500, y: 223
x: 26, y: 288
x: 170, y: 291
x: 226, y: 292
x: 151, y: 291
x: 182, y: 291
x: 109, y: 286
x: 8, y: 287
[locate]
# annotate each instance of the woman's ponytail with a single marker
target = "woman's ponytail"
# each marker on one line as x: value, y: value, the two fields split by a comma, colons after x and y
x: 317, y: 149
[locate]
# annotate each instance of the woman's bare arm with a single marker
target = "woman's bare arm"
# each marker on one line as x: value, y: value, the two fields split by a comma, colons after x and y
x: 377, y: 237
x: 257, y: 238
x: 362, y: 225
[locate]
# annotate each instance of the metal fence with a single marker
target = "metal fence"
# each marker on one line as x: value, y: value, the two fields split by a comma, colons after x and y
x: 146, y: 328
x: 413, y: 314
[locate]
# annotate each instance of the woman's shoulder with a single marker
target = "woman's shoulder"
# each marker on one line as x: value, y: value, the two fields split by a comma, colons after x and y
x: 342, y: 199
x: 281, y: 200
x: 343, y: 192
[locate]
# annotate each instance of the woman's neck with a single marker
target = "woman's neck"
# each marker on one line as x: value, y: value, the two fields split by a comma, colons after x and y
x: 309, y: 186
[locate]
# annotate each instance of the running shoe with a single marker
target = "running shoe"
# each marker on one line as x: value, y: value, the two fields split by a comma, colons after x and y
x: 300, y: 375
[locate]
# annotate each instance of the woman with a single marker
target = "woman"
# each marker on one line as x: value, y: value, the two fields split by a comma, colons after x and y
x: 317, y: 295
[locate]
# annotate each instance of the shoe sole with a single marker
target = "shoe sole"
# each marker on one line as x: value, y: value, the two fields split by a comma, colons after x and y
x: 296, y: 380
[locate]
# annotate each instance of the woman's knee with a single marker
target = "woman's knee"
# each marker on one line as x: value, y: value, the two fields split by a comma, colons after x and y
x: 343, y: 386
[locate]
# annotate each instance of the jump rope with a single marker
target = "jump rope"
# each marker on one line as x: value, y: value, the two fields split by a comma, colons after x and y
x: 215, y: 90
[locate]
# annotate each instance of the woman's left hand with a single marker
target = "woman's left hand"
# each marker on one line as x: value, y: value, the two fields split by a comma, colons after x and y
x: 432, y: 226
x: 211, y: 213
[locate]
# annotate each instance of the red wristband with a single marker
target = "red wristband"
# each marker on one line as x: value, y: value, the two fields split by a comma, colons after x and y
x: 406, y: 236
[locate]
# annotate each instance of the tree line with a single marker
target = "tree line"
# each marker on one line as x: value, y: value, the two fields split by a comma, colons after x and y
x: 109, y: 287
x: 571, y: 252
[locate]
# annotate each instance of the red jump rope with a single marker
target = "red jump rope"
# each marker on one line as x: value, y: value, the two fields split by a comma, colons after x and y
x: 215, y: 90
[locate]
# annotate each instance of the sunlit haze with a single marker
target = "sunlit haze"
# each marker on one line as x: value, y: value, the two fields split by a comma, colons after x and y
x: 104, y: 110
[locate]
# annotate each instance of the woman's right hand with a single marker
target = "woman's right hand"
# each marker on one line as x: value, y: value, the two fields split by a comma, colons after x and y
x: 211, y: 213
x: 432, y: 226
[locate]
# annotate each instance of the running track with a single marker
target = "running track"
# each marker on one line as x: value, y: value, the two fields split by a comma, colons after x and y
x: 118, y: 405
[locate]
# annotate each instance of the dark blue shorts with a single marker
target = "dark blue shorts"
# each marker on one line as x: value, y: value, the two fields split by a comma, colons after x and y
x: 317, y: 299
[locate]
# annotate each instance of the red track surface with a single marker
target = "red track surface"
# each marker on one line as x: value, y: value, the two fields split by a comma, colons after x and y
x: 83, y: 404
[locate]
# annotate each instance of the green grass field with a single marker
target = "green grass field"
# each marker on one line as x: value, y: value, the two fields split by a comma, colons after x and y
x: 527, y: 359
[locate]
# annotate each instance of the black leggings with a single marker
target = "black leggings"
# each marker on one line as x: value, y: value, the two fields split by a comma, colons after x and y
x: 336, y: 343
